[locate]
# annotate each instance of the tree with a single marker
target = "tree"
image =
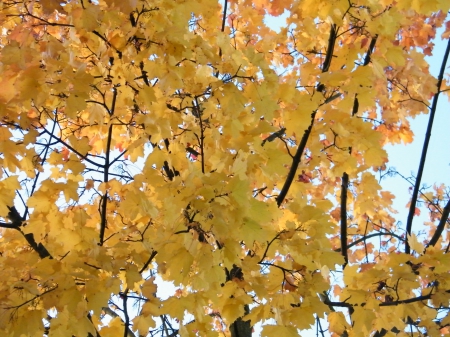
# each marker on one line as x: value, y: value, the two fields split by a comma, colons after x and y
x: 189, y: 141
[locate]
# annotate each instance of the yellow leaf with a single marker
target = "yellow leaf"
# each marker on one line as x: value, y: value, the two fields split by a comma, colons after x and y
x: 415, y: 244
x: 377, y: 69
x: 363, y: 320
x: 149, y: 288
x: 142, y: 324
x: 232, y: 311
x: 8, y: 187
x: 395, y: 55
x: 147, y: 95
x: 132, y: 276
x: 74, y: 104
x: 28, y: 323
x: 278, y: 330
x: 112, y: 328
x: 337, y: 322
x: 85, y: 18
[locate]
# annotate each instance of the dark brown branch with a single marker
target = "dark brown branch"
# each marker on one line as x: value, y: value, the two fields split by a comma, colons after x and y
x: 84, y: 157
x: 144, y: 74
x: 106, y: 166
x: 45, y: 22
x: 319, y: 327
x: 119, y: 53
x: 295, y: 162
x: 202, y: 135
x: 125, y: 313
x: 150, y: 259
x: 44, y: 157
x: 113, y: 104
x: 18, y: 220
x: 440, y: 227
x: 298, y: 154
x: 118, y: 157
x: 37, y: 247
x: 14, y: 216
x: 330, y: 49
x: 102, y: 104
x: 366, y: 237
x: 112, y: 313
x: 423, y: 156
x: 224, y: 17
x: 97, y: 334
x: 355, y: 105
x: 32, y: 299
x: 383, y: 304
x: 345, y: 178
x: 92, y: 266
x: 370, y: 50
x: 170, y: 172
x: 104, y: 199
x: 344, y: 189
x: 9, y: 225
x: 268, y: 246
x: 134, y: 21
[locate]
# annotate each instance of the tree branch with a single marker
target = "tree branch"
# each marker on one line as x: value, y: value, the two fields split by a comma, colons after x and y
x: 104, y: 199
x: 383, y: 304
x: 370, y: 50
x: 295, y: 162
x: 345, y: 177
x: 298, y: 154
x: 38, y: 247
x: 330, y: 48
x: 119, y: 53
x: 146, y: 264
x: 354, y: 243
x: 125, y: 313
x: 415, y: 194
x: 344, y: 188
x: 224, y: 17
x: 202, y: 135
x: 32, y: 299
x: 72, y: 149
x: 38, y: 173
x: 112, y: 313
x: 440, y: 227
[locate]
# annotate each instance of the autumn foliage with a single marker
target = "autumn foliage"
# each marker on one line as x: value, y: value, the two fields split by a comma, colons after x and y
x: 191, y: 143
